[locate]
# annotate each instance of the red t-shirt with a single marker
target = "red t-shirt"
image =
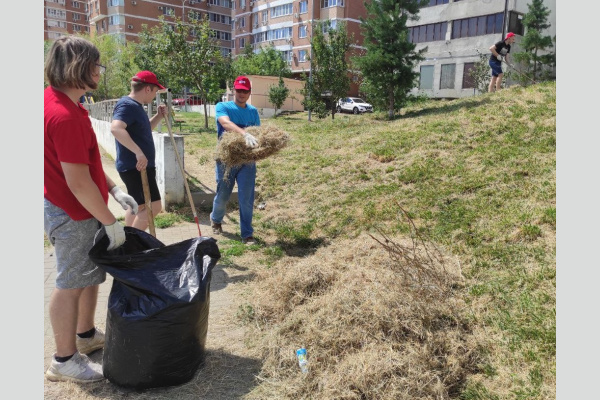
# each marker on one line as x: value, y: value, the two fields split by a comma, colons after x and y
x: 68, y: 137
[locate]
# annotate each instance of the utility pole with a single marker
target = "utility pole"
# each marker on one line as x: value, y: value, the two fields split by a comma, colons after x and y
x: 312, y: 27
x: 505, y: 22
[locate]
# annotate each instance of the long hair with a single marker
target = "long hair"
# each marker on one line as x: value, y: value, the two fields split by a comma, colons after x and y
x: 71, y: 62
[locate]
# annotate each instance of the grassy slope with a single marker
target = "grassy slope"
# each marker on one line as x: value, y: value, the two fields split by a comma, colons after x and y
x: 477, y: 175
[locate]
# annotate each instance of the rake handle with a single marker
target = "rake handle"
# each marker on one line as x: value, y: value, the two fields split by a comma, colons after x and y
x: 187, y: 188
x: 148, y: 201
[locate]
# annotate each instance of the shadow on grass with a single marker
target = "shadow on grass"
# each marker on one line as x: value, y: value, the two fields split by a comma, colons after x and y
x: 446, y: 108
x: 222, y: 376
x: 301, y: 247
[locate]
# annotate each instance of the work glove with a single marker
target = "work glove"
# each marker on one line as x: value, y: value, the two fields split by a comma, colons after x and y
x: 116, y: 235
x: 499, y: 57
x: 124, y: 199
x: 250, y: 140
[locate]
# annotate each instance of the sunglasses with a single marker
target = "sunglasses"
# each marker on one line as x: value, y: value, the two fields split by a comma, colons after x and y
x: 102, y: 68
x: 242, y: 91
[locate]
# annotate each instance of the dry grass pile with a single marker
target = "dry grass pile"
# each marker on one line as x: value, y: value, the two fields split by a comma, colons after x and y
x: 233, y: 152
x: 379, y: 321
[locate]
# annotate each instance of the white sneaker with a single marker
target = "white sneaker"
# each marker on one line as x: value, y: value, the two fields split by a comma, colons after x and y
x: 88, y: 345
x: 78, y: 369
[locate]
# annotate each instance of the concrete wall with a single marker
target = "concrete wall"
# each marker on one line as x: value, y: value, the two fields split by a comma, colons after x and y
x: 168, y: 172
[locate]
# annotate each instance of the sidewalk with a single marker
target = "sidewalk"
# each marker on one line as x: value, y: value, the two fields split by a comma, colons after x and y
x: 177, y: 233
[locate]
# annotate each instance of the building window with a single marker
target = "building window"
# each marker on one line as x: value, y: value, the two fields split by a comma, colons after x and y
x: 302, y: 55
x: 329, y: 24
x: 76, y: 17
x: 515, y: 23
x: 243, y: 22
x: 447, y: 76
x: 56, y: 13
x: 222, y: 3
x: 242, y: 4
x: 279, y: 11
x: 476, y: 26
x: 426, y: 78
x: 170, y: 11
x: 302, y: 31
x: 113, y: 3
x: 468, y: 82
x: 303, y: 7
x: 331, y: 3
x: 436, y: 2
x: 75, y: 4
x: 265, y: 16
x: 242, y: 43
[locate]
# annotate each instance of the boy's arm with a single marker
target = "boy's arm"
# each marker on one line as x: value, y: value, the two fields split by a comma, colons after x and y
x: 119, y: 131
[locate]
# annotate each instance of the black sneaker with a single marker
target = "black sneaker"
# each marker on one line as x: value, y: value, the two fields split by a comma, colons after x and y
x: 216, y: 228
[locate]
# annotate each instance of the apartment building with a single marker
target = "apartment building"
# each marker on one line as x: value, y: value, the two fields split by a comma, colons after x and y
x: 287, y: 24
x: 64, y: 17
x: 455, y: 32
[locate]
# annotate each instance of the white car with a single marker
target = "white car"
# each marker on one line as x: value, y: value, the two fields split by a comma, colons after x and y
x: 354, y: 105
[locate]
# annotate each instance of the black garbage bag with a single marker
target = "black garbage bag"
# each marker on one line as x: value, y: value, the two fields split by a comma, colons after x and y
x: 158, y: 307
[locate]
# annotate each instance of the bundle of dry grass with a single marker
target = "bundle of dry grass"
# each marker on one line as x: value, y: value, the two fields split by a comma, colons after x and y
x: 379, y: 320
x: 233, y: 151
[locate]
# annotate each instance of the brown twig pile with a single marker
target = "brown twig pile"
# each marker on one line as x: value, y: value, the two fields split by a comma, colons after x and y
x: 380, y: 319
x: 233, y: 151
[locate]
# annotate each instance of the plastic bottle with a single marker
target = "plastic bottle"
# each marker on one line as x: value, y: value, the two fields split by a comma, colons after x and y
x: 302, y: 361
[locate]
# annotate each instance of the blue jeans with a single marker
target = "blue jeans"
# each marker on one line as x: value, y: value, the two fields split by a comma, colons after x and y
x: 245, y: 176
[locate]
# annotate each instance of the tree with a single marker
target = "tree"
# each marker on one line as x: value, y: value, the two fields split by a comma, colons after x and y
x: 388, y: 65
x: 267, y: 62
x: 278, y: 94
x: 535, y: 64
x: 329, y: 67
x: 184, y: 54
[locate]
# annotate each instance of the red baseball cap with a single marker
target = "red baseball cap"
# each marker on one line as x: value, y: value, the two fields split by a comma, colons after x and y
x: 509, y: 35
x: 241, y: 82
x: 147, y: 77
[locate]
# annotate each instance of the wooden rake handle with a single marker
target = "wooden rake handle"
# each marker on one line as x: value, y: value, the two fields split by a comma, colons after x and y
x: 148, y: 201
x: 187, y: 188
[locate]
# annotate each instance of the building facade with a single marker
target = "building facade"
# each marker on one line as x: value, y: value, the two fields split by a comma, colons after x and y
x: 65, y: 17
x: 455, y: 32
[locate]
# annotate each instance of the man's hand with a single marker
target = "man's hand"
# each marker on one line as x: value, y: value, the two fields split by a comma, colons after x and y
x: 124, y: 199
x: 162, y: 110
x: 116, y: 235
x: 250, y: 140
x: 142, y: 161
x: 499, y: 57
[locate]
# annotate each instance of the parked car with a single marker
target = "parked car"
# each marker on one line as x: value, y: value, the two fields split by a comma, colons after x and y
x: 190, y: 100
x: 354, y: 105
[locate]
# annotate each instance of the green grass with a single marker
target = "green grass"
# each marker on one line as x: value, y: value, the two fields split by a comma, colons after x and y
x: 477, y: 175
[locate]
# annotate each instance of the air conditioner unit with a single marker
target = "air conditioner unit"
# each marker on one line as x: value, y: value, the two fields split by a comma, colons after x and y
x: 251, y: 3
x: 289, y: 62
x: 130, y: 26
x: 264, y: 23
x: 161, y: 8
x: 133, y: 2
x: 289, y: 40
x: 296, y: 15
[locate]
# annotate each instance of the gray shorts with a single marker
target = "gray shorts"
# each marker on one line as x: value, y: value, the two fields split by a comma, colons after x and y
x: 72, y: 240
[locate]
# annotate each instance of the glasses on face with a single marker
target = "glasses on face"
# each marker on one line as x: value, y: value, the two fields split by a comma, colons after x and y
x: 102, y: 68
x: 242, y: 91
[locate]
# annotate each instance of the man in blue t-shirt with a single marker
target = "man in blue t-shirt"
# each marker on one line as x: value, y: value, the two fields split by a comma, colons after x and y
x: 235, y: 116
x: 135, y: 146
